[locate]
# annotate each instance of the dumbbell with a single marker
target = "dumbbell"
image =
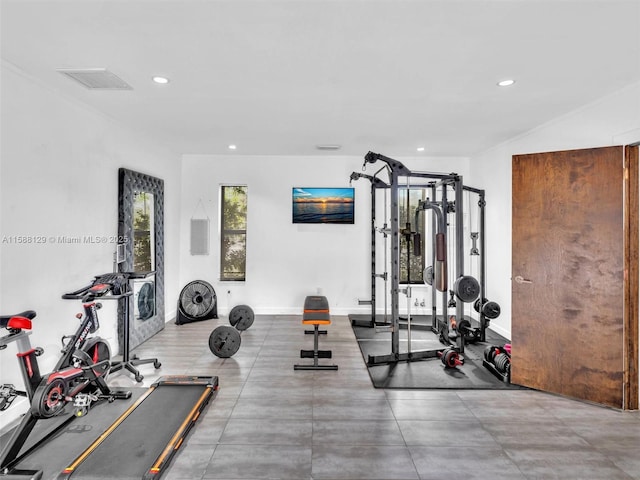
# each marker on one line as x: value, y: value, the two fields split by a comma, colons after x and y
x: 502, y: 361
x: 497, y: 360
x: 450, y: 358
x: 225, y: 340
x: 499, y: 357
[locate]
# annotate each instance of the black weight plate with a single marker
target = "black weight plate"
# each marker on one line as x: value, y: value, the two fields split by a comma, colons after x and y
x: 491, y: 354
x: 491, y: 310
x: 502, y: 362
x: 224, y: 341
x: 463, y: 325
x: 467, y: 288
x: 477, y: 305
x: 241, y: 317
x: 464, y: 329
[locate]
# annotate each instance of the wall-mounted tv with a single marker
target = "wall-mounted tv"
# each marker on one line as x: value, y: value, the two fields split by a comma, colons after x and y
x: 323, y: 205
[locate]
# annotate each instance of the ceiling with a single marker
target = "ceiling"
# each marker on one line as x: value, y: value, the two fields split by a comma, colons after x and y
x: 279, y: 77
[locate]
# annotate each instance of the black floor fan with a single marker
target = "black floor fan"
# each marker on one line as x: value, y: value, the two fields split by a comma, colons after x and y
x: 197, y: 301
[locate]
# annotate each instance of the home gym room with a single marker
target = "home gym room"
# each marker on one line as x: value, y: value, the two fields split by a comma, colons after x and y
x: 172, y: 196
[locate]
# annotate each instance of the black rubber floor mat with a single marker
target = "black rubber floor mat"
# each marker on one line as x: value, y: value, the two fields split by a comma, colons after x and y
x: 428, y: 373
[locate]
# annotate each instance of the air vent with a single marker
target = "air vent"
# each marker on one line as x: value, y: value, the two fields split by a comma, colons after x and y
x: 328, y: 147
x: 96, y: 78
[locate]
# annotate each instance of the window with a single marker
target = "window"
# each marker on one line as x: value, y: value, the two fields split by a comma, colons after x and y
x: 411, y: 266
x: 233, y: 232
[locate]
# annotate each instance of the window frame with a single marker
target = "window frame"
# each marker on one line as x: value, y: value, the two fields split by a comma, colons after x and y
x: 225, y: 276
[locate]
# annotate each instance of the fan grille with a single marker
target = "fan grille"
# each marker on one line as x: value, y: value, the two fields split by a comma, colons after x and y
x: 197, y: 299
x: 146, y: 301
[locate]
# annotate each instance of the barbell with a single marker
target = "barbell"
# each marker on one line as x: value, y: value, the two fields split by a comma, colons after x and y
x: 225, y: 340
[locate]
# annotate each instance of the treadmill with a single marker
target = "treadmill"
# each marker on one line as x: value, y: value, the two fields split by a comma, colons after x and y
x: 138, y: 444
x: 143, y: 440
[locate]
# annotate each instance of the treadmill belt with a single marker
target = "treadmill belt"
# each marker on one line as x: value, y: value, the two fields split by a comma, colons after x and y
x: 131, y: 449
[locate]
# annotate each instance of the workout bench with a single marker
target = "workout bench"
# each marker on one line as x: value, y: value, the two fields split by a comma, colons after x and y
x: 316, y: 313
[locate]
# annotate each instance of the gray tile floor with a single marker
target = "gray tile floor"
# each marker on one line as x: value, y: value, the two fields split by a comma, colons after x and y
x: 271, y: 422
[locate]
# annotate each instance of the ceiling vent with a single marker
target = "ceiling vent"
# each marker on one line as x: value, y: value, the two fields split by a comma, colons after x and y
x: 96, y: 78
x: 328, y: 147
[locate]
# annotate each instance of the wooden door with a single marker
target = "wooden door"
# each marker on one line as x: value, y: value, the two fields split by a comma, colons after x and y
x: 569, y: 286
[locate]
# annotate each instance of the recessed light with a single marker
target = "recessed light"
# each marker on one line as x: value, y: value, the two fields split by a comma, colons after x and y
x: 161, y: 80
x: 420, y: 149
x: 232, y: 147
x: 506, y: 83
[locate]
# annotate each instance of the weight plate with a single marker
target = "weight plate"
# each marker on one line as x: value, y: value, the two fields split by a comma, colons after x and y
x: 467, y: 288
x: 463, y: 326
x: 241, y: 317
x: 491, y: 310
x: 502, y: 362
x: 427, y: 275
x: 224, y: 341
x: 443, y: 356
x: 489, y: 353
x: 477, y: 305
x: 470, y: 335
x: 449, y: 357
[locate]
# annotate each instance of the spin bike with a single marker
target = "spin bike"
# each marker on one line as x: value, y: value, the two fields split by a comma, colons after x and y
x: 78, y: 377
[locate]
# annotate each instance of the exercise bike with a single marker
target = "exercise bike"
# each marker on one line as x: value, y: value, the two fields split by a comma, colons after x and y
x: 78, y: 377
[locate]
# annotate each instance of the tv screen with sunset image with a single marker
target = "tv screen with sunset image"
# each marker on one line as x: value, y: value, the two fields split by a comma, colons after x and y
x: 323, y: 205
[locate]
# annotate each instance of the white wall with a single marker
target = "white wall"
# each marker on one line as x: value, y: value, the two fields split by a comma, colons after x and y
x: 613, y: 120
x: 59, y: 177
x: 286, y: 262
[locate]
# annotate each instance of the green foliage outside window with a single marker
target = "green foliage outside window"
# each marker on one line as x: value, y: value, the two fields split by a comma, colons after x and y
x: 233, y: 255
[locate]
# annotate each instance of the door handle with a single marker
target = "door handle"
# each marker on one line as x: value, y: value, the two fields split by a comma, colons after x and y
x: 519, y: 279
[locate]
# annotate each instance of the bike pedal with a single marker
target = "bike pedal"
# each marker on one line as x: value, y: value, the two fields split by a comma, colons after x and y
x: 8, y: 394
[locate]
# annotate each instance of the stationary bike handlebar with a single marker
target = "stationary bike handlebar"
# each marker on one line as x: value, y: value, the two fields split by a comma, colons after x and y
x: 114, y: 283
x: 80, y: 293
